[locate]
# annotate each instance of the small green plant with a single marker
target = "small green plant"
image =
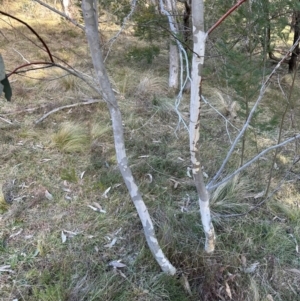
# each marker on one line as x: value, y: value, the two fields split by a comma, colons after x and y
x: 69, y: 175
x: 147, y: 53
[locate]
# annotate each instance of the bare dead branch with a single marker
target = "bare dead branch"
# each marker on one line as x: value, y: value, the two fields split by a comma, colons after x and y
x: 212, y: 184
x: 253, y: 160
x: 6, y: 120
x: 124, y: 23
x: 61, y: 14
x: 30, y: 110
x: 232, y: 9
x: 67, y: 107
x: 33, y: 31
x: 29, y: 64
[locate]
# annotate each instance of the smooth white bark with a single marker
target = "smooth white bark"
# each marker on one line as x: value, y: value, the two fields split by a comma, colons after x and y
x: 91, y: 25
x: 199, y: 38
x: 173, y: 66
x: 66, y: 4
x: 173, y: 48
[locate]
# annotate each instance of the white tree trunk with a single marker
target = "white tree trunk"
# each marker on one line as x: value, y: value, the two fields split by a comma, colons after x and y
x: 199, y: 38
x: 91, y: 25
x: 66, y: 4
x: 173, y: 66
x: 173, y: 50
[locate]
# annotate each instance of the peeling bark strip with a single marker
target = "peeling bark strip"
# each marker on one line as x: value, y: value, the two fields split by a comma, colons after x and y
x: 199, y: 38
x: 91, y: 26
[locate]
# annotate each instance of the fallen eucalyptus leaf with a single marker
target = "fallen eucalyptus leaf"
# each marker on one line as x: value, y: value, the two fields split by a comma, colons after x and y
x: 111, y: 244
x: 150, y: 177
x: 176, y: 183
x: 251, y: 269
x: 6, y: 268
x: 97, y: 207
x: 296, y: 271
x: 63, y: 237
x: 259, y: 195
x: 48, y: 195
x: 228, y: 291
x: 16, y: 234
x: 117, y: 264
x: 106, y: 192
x: 71, y: 233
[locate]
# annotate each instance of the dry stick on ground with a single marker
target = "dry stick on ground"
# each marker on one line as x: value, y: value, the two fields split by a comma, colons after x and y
x: 30, y: 110
x: 66, y: 107
x: 6, y: 120
x: 91, y: 27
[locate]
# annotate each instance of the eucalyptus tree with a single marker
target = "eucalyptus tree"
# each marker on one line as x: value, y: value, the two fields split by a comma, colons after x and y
x: 89, y: 8
x: 91, y: 27
x: 296, y: 28
x: 173, y: 50
x: 199, y: 38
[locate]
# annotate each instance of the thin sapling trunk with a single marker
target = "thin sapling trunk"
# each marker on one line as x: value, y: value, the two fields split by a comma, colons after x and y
x: 199, y: 38
x: 91, y: 26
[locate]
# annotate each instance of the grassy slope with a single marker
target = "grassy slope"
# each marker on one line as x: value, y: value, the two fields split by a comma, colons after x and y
x: 53, y: 155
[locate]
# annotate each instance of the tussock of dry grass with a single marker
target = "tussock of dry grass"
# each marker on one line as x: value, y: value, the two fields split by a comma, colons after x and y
x: 148, y: 87
x: 71, y: 137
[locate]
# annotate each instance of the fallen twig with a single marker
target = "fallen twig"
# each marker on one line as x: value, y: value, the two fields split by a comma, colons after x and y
x: 67, y: 107
x: 30, y: 110
x: 6, y: 120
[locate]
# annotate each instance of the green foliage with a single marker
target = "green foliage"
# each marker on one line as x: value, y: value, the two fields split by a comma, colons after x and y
x: 167, y: 166
x: 120, y: 8
x: 112, y: 177
x: 268, y: 125
x: 69, y: 175
x: 147, y: 53
x: 150, y: 25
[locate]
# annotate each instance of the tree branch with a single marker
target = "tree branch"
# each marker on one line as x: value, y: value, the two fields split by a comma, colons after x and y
x: 6, y: 120
x: 231, y: 10
x: 253, y: 160
x: 30, y: 64
x: 241, y: 133
x: 67, y: 107
x: 33, y: 31
x: 60, y: 13
x: 114, y: 38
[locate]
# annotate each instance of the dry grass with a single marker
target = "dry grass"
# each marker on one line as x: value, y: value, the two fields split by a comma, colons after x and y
x: 71, y: 137
x: 71, y: 156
